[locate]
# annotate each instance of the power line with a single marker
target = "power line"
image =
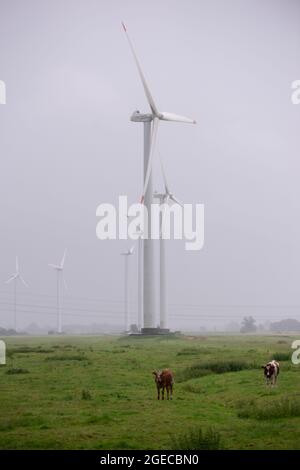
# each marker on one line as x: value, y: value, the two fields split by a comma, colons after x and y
x: 68, y: 298
x: 107, y: 313
x: 49, y: 307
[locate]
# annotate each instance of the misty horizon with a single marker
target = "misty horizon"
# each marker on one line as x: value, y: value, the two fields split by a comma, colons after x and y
x: 67, y: 145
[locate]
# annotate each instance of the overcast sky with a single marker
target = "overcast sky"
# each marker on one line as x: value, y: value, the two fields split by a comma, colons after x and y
x: 67, y: 144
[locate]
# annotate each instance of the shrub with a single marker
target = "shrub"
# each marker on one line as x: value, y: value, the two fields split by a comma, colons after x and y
x: 220, y: 367
x: 197, y: 439
x: 66, y: 358
x: 86, y: 395
x: 16, y: 370
x: 281, y: 356
x: 285, y: 407
x: 194, y: 387
x: 228, y: 366
x: 188, y: 352
x: 27, y: 350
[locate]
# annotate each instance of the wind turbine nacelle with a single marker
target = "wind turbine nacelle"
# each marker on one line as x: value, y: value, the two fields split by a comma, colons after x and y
x: 139, y: 117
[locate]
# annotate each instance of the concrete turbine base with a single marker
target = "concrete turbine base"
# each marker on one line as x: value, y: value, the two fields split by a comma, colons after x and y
x: 155, y: 331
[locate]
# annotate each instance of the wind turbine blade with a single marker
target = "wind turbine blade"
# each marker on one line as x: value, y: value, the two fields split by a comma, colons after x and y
x: 65, y: 284
x: 22, y: 280
x: 146, y: 88
x: 166, y: 200
x: 54, y: 266
x: 149, y: 167
x: 176, y: 118
x: 63, y: 259
x: 163, y: 173
x: 174, y: 199
x: 12, y: 278
x: 17, y: 265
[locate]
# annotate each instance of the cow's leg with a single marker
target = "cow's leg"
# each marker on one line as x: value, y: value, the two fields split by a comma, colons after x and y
x: 168, y: 392
x: 272, y: 381
x: 163, y: 393
x: 158, y: 393
x: 171, y: 391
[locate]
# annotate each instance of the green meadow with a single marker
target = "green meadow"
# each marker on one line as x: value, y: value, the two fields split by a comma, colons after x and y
x: 98, y: 392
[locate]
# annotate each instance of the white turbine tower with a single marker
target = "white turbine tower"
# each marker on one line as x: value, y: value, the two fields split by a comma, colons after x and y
x: 126, y: 255
x: 151, y: 122
x: 15, y: 278
x: 139, y: 234
x: 164, y: 198
x: 59, y: 268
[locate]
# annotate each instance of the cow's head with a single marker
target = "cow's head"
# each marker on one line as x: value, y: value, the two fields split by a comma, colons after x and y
x: 157, y: 376
x: 269, y: 370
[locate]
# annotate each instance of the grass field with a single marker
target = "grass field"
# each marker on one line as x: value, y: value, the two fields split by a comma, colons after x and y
x: 99, y: 393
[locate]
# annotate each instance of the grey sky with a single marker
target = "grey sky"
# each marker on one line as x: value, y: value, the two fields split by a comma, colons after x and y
x: 67, y: 144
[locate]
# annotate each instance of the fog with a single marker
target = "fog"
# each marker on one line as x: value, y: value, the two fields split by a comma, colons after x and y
x: 67, y: 144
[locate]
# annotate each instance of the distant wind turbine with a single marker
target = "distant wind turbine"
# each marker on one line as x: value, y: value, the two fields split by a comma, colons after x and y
x: 126, y: 255
x: 164, y: 198
x: 59, y: 268
x: 15, y: 278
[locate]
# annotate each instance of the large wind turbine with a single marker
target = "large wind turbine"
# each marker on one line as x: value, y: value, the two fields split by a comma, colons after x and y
x: 126, y: 255
x: 156, y: 116
x: 59, y: 268
x: 151, y: 122
x: 15, y: 278
x: 164, y: 198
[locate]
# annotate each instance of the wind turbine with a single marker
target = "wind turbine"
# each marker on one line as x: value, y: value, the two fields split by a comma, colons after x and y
x: 14, y: 278
x: 151, y: 122
x: 164, y: 199
x: 126, y: 255
x: 59, y: 274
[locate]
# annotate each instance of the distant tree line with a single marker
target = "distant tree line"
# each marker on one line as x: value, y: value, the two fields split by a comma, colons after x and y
x: 289, y: 324
x: 248, y: 325
x: 9, y: 332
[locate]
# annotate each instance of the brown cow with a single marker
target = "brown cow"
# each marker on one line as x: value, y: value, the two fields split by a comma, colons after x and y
x: 164, y: 380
